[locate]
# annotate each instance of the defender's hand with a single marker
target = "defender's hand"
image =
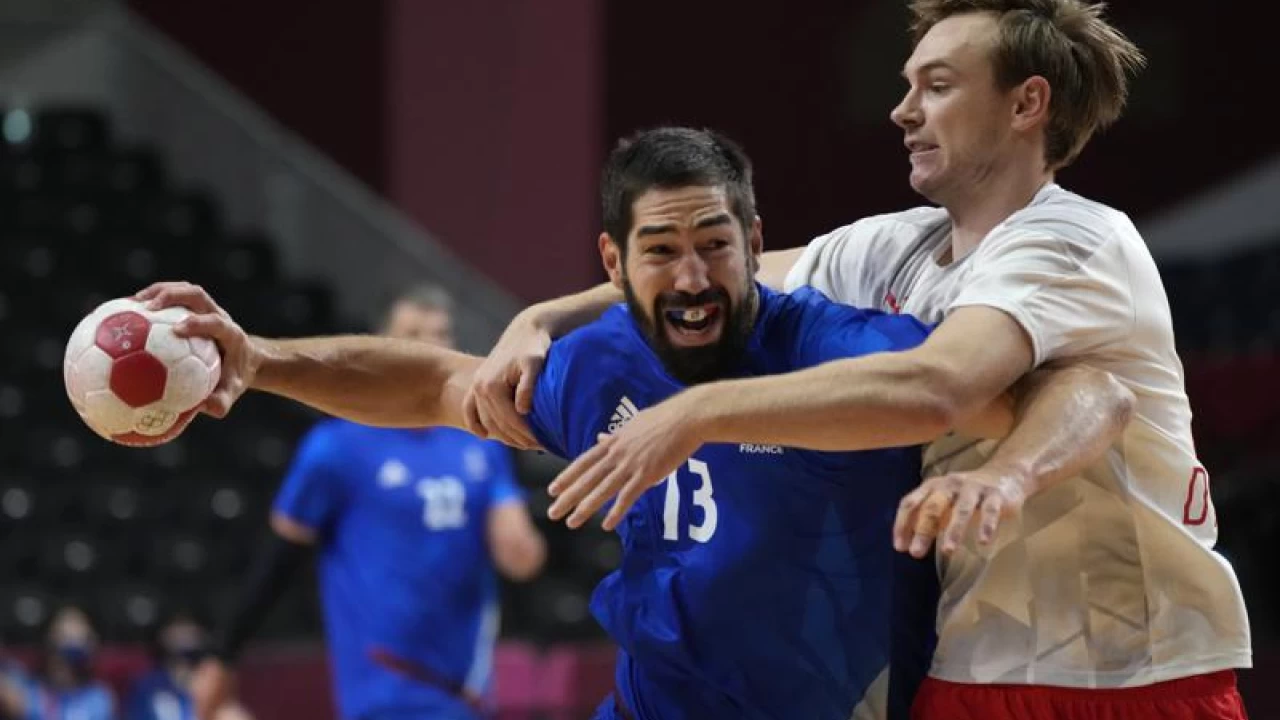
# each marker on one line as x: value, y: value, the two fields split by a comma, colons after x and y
x: 502, y: 390
x: 942, y: 509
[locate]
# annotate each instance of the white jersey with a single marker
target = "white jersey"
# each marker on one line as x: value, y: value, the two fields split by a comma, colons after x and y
x: 1108, y: 579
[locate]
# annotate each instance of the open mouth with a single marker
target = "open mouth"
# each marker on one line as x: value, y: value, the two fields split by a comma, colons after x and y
x: 694, y: 325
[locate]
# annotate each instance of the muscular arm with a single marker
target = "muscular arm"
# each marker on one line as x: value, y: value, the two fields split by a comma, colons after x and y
x: 1066, y: 417
x: 369, y: 380
x: 882, y: 400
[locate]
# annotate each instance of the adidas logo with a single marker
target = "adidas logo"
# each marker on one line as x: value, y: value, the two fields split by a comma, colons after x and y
x: 623, y: 413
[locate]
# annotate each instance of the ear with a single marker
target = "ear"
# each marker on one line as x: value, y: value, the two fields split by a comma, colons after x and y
x: 611, y: 257
x: 755, y: 243
x: 1031, y: 103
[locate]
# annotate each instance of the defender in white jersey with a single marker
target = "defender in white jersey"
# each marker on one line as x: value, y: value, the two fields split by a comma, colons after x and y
x: 1100, y: 595
x: 1109, y: 579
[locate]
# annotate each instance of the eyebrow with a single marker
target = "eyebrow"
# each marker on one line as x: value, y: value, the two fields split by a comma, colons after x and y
x: 712, y: 221
x: 929, y: 66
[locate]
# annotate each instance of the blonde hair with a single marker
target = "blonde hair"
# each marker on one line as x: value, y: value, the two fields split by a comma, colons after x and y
x: 1086, y: 61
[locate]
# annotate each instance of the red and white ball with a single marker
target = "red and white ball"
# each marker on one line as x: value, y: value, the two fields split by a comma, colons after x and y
x: 134, y: 381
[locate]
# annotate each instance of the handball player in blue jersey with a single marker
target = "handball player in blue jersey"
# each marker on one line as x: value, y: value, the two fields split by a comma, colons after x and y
x: 757, y: 581
x: 409, y: 525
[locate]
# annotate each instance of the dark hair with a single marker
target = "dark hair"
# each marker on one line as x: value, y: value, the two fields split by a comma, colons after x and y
x: 1067, y: 42
x: 668, y: 158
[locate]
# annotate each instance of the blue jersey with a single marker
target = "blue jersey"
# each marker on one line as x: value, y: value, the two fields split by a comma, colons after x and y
x: 155, y: 696
x: 93, y: 701
x: 408, y: 588
x: 757, y: 581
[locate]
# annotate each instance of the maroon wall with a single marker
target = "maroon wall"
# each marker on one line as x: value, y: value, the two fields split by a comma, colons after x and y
x: 317, y: 66
x: 479, y: 119
x: 493, y: 134
x: 807, y: 88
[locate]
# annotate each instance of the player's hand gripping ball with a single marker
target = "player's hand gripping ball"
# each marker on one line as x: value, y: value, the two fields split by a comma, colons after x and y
x: 131, y: 379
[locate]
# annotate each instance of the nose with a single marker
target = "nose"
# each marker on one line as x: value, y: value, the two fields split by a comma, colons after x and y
x: 692, y: 274
x: 907, y: 114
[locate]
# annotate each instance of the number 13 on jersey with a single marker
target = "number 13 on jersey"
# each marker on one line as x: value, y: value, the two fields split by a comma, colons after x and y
x: 703, y: 501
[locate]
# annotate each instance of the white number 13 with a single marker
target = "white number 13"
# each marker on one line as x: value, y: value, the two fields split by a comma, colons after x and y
x: 703, y: 531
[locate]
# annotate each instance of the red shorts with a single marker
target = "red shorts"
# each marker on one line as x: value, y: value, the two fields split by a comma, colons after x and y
x: 1201, y: 697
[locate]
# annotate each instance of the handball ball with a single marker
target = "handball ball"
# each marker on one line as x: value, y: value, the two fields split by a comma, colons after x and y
x: 131, y: 379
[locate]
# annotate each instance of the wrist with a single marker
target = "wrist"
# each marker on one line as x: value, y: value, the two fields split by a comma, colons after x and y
x: 264, y: 359
x: 697, y: 412
x: 1014, y: 476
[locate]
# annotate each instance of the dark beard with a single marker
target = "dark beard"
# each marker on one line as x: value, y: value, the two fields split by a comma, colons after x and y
x: 694, y: 365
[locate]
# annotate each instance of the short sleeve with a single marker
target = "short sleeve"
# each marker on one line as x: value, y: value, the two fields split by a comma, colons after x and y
x: 313, y: 491
x: 1071, y: 296
x: 503, y: 485
x: 840, y: 265
x: 547, y: 418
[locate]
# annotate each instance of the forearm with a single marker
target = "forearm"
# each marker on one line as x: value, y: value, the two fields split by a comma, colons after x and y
x: 884, y: 400
x: 366, y: 379
x: 1066, y: 418
x: 565, y: 314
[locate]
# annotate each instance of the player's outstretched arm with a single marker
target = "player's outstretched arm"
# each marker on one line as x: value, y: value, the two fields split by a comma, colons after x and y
x: 370, y: 380
x: 502, y: 389
x: 882, y: 400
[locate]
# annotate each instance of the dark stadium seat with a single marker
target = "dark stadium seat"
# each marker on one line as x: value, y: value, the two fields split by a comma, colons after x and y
x: 178, y: 556
x: 70, y: 129
x: 25, y: 610
x: 130, y: 613
x: 559, y: 607
x: 236, y: 265
x: 78, y: 558
x: 180, y: 216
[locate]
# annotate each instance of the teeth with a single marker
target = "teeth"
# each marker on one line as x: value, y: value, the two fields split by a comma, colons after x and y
x: 694, y: 315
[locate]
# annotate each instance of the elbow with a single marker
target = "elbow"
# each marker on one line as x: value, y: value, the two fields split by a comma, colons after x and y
x: 1122, y: 403
x: 1112, y: 402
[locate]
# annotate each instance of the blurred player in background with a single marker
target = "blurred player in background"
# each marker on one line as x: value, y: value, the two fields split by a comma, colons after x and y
x: 757, y: 585
x: 410, y: 525
x: 164, y: 693
x: 1104, y: 597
